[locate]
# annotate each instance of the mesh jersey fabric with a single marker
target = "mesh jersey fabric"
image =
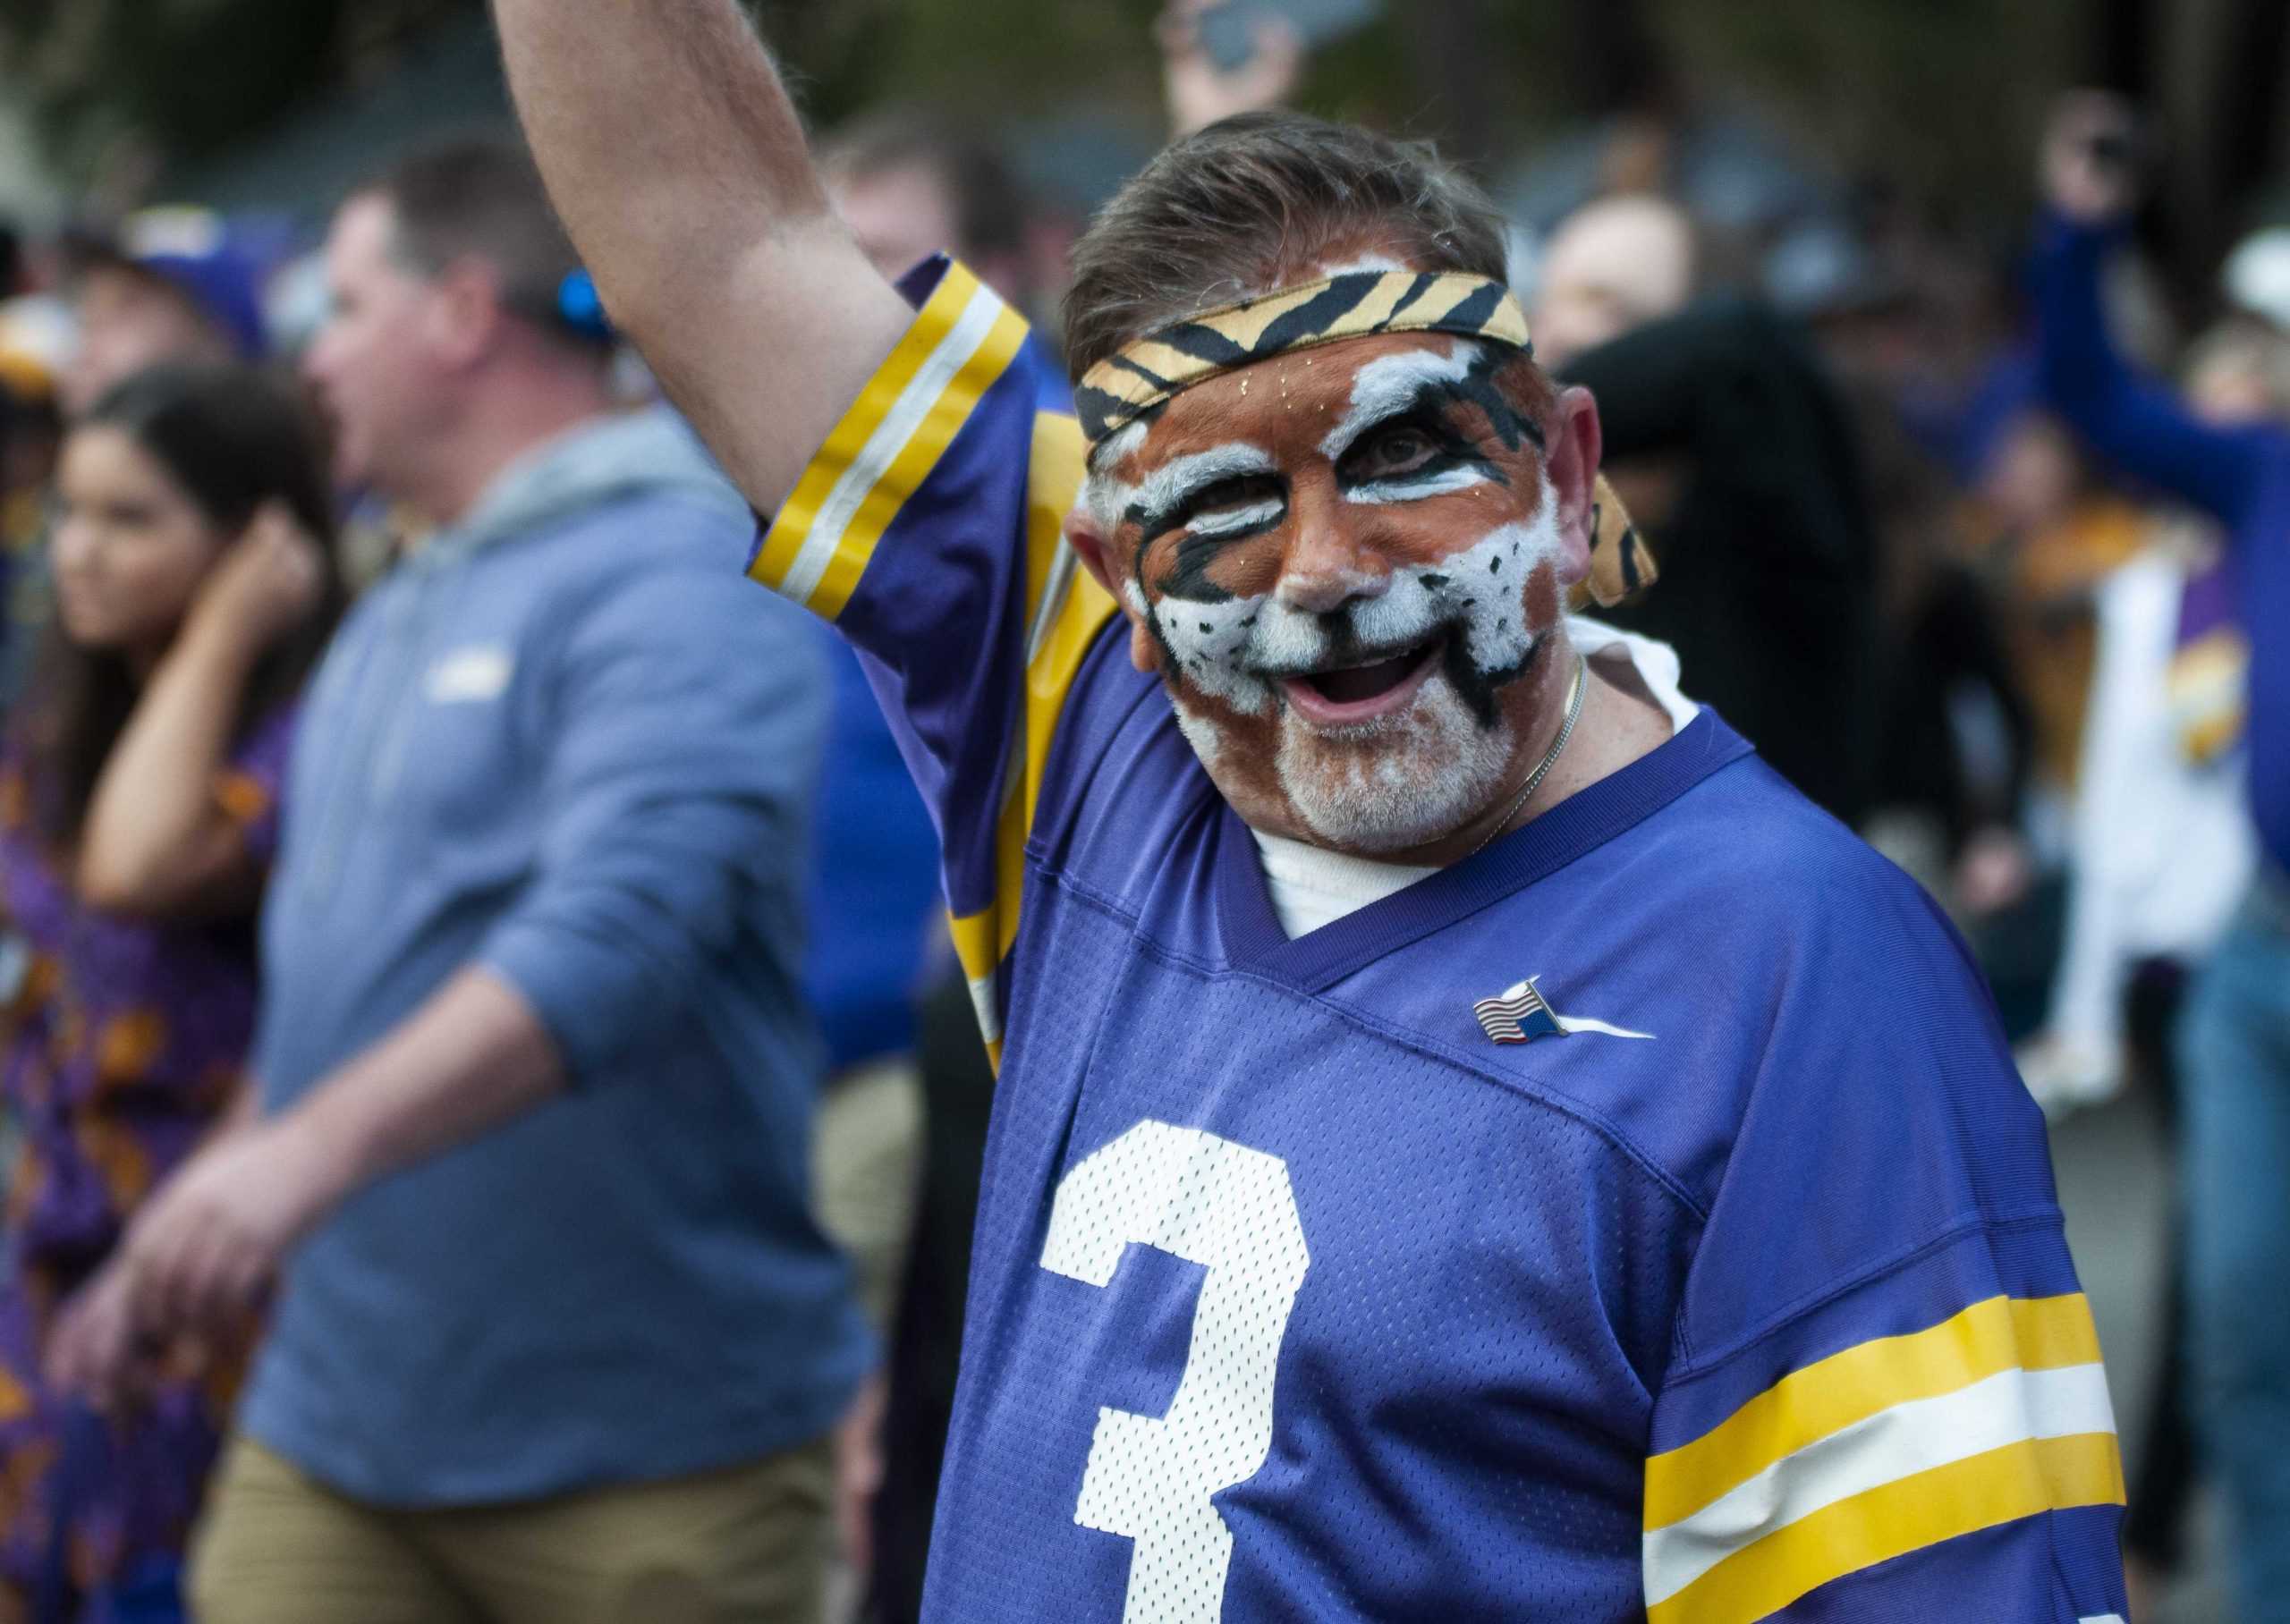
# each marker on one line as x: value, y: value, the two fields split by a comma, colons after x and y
x: 1293, y: 1295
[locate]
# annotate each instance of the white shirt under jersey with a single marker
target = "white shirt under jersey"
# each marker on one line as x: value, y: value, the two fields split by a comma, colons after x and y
x: 1311, y: 887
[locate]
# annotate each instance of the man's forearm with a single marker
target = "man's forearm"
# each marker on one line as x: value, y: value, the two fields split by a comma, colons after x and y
x: 679, y: 165
x: 201, y: 1247
x: 472, y: 1057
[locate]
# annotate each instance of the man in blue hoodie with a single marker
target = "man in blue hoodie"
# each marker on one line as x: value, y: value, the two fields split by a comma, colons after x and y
x: 555, y: 1336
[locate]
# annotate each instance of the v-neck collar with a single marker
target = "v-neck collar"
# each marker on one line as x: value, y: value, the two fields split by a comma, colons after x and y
x: 1581, y: 823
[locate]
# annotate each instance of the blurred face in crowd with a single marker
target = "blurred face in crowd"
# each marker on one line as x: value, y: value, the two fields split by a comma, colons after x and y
x: 374, y: 363
x: 2034, y: 477
x: 900, y: 216
x: 1346, y: 563
x: 131, y: 545
x: 128, y: 321
x: 2240, y: 386
x: 1613, y: 265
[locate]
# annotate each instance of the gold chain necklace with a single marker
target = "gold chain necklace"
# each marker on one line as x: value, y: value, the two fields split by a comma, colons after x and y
x: 1557, y: 748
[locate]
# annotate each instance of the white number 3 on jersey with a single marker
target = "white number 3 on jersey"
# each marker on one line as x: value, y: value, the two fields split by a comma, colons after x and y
x: 1230, y: 1210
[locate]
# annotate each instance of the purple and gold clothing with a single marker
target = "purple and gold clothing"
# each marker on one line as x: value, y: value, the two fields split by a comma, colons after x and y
x: 1736, y: 1292
x: 124, y: 1040
x: 2238, y: 475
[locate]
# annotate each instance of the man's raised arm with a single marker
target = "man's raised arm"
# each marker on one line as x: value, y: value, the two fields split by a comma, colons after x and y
x: 679, y: 165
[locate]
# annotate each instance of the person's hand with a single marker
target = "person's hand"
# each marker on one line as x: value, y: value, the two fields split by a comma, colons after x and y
x: 94, y: 1350
x: 204, y: 1249
x: 859, y: 1472
x: 2090, y: 170
x: 1199, y: 93
x: 268, y: 582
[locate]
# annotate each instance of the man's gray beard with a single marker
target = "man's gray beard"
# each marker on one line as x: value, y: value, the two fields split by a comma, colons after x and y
x: 1419, y: 777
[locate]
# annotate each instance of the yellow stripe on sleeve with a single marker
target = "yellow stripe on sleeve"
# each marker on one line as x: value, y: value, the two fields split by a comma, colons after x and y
x: 1809, y: 1404
x: 2021, y: 1479
x: 882, y: 451
x: 792, y: 525
x: 1065, y: 610
x: 1065, y: 605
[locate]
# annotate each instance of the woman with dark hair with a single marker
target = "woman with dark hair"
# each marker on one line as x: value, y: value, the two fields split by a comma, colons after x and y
x: 195, y: 588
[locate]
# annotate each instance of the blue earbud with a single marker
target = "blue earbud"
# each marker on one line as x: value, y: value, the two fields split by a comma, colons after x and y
x: 580, y: 307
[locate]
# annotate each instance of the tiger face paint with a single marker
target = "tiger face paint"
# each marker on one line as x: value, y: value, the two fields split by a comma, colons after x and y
x: 1348, y: 564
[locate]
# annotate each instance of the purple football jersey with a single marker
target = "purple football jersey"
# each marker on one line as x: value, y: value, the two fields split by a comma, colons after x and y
x: 1728, y: 1285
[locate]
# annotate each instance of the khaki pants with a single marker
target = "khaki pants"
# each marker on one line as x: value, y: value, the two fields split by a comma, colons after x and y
x: 866, y: 1170
x: 743, y: 1545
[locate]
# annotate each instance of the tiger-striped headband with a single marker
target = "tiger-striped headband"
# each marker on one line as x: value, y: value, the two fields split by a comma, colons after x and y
x: 1356, y: 304
x: 1168, y: 361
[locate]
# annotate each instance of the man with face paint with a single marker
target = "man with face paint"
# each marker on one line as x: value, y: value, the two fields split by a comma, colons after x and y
x: 1471, y: 1143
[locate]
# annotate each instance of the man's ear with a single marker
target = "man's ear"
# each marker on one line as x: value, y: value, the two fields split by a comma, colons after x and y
x: 1094, y: 548
x: 466, y: 313
x: 1571, y: 464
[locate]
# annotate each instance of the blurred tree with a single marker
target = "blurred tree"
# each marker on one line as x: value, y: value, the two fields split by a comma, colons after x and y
x: 2210, y: 73
x: 1939, y: 99
x: 1927, y: 92
x: 151, y: 82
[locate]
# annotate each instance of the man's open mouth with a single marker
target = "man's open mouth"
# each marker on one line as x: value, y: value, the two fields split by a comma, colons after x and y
x: 1361, y: 690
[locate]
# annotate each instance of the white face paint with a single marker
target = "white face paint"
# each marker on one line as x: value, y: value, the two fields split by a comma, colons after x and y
x: 1209, y: 638
x: 1210, y: 643
x: 1105, y: 495
x: 1181, y: 478
x: 1404, y: 779
x: 1481, y: 591
x: 1202, y: 732
x: 1390, y: 384
x: 1379, y: 263
x: 1389, y: 387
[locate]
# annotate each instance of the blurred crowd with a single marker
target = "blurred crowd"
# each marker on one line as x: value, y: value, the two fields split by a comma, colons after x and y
x: 486, y: 1080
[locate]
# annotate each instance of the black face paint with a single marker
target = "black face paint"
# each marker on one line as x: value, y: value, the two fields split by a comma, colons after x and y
x: 1427, y: 416
x: 1477, y: 387
x: 1188, y: 573
x: 1430, y: 413
x: 1482, y: 690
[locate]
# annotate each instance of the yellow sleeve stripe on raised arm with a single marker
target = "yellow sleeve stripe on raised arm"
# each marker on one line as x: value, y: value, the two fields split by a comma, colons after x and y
x: 962, y: 341
x: 1998, y: 1413
x: 1066, y: 609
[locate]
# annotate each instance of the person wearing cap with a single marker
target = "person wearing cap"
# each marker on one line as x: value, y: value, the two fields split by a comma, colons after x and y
x: 554, y: 1336
x: 172, y: 287
x: 2234, y: 1037
x: 169, y: 287
x: 1470, y: 1142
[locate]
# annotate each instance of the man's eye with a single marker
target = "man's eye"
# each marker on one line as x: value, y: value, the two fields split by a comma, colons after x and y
x: 1219, y: 506
x: 1236, y: 502
x: 1397, y: 450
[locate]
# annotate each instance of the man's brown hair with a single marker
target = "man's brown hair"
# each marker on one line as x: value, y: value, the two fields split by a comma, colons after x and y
x: 1252, y: 202
x: 481, y: 198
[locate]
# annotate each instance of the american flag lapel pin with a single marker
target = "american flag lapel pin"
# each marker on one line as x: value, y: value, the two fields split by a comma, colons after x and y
x: 1518, y: 1015
x: 1523, y: 1014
